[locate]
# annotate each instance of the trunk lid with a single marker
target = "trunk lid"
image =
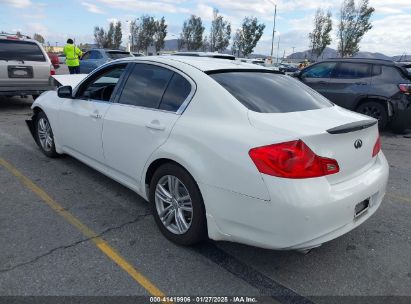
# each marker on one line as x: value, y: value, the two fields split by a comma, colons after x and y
x: 332, y: 132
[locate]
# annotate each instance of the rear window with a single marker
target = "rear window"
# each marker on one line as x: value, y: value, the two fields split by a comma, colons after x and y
x: 20, y: 50
x: 270, y: 93
x: 348, y: 70
x: 118, y: 55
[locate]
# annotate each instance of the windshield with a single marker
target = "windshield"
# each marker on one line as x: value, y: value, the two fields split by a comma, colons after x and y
x: 118, y: 55
x: 270, y: 92
x: 20, y: 50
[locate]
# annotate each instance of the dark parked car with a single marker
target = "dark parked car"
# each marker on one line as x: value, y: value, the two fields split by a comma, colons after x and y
x: 97, y: 57
x: 377, y: 88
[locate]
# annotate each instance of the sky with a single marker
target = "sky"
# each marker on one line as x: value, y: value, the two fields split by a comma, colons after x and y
x: 58, y: 20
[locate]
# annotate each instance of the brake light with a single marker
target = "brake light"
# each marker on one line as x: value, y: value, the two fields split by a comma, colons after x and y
x: 377, y: 147
x: 292, y: 159
x: 52, y: 71
x: 405, y: 88
x: 12, y: 38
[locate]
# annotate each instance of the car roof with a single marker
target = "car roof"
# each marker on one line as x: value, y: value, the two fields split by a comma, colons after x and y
x: 362, y: 60
x: 204, y: 54
x: 205, y: 64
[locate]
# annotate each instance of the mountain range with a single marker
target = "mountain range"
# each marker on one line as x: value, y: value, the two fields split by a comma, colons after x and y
x: 171, y: 45
x: 331, y: 53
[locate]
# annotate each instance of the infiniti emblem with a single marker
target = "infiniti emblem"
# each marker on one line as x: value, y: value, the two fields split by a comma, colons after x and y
x: 358, y: 144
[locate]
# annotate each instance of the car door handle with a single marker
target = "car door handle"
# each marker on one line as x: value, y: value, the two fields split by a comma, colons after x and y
x: 96, y: 116
x: 155, y: 125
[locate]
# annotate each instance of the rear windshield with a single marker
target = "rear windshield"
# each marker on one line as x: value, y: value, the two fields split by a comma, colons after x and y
x: 20, y: 50
x: 270, y: 93
x: 118, y: 55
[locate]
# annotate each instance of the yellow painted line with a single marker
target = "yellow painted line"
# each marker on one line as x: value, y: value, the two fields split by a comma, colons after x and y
x: 399, y: 197
x: 98, y: 241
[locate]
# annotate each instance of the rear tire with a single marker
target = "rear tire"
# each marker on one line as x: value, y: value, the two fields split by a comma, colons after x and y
x: 44, y: 135
x: 174, y: 209
x: 375, y: 110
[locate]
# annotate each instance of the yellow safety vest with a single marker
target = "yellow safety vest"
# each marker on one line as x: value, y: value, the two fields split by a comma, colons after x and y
x: 72, y: 54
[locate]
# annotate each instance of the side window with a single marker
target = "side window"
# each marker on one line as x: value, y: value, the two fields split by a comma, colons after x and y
x: 176, y: 93
x: 376, y: 70
x: 145, y: 86
x: 102, y: 87
x: 390, y: 74
x: 95, y: 55
x: 86, y: 56
x: 349, y: 70
x: 321, y: 70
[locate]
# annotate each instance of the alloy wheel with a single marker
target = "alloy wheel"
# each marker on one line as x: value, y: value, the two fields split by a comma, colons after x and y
x: 173, y: 204
x: 45, y: 134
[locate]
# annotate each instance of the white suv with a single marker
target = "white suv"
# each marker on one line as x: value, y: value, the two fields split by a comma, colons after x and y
x: 25, y: 67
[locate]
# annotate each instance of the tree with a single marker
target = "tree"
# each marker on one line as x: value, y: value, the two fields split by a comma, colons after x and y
x: 237, y: 43
x: 100, y: 36
x: 206, y: 45
x: 147, y: 29
x: 320, y: 37
x: 134, y: 31
x: 110, y: 36
x: 117, y: 37
x: 250, y: 33
x: 220, y: 33
x: 38, y: 38
x: 160, y: 34
x: 354, y: 23
x: 192, y: 33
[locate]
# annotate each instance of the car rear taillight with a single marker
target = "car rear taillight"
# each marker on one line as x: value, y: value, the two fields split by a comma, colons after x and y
x: 52, y: 70
x: 405, y: 88
x: 292, y: 159
x: 377, y: 147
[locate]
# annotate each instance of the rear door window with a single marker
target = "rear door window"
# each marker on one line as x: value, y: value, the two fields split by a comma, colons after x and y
x: 145, y: 86
x: 270, y: 93
x: 320, y: 70
x: 177, y: 92
x: 349, y: 70
x: 20, y: 50
x: 118, y: 55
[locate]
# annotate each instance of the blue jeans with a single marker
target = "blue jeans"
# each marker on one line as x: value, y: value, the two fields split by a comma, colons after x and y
x: 74, y: 69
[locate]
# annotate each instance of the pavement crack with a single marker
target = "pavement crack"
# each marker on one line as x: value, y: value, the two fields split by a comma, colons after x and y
x: 64, y: 247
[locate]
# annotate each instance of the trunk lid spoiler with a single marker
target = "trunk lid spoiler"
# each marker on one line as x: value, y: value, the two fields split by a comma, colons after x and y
x: 352, y: 127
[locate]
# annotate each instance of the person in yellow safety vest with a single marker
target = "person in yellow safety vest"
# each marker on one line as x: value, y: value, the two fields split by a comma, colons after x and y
x: 72, y: 54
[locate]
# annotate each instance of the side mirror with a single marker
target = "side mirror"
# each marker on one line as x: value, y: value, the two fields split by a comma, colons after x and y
x: 297, y: 74
x: 65, y: 92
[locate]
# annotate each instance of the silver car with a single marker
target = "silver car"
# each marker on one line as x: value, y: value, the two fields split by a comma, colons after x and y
x: 25, y: 67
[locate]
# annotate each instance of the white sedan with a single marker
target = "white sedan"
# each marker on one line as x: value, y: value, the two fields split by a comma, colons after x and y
x: 220, y: 149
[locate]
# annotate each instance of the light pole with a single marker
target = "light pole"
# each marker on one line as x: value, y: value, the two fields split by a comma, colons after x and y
x: 292, y: 56
x: 272, y: 39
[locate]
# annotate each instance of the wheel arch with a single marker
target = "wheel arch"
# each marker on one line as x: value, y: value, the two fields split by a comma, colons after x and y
x: 379, y: 99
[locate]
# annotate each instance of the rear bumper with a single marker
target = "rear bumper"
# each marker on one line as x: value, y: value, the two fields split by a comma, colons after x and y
x: 301, y: 214
x: 25, y: 90
x: 402, y: 114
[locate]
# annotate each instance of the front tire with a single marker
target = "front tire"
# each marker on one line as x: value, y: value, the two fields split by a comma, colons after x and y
x: 177, y: 205
x: 44, y: 135
x: 375, y: 110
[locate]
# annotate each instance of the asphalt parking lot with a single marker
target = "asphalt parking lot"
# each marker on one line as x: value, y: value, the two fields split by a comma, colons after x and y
x: 66, y: 229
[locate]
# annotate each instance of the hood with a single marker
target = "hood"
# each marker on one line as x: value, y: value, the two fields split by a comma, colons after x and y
x: 69, y: 80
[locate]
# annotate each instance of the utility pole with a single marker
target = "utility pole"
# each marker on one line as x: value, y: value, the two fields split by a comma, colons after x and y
x: 272, y: 40
x: 278, y: 47
x: 293, y: 52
